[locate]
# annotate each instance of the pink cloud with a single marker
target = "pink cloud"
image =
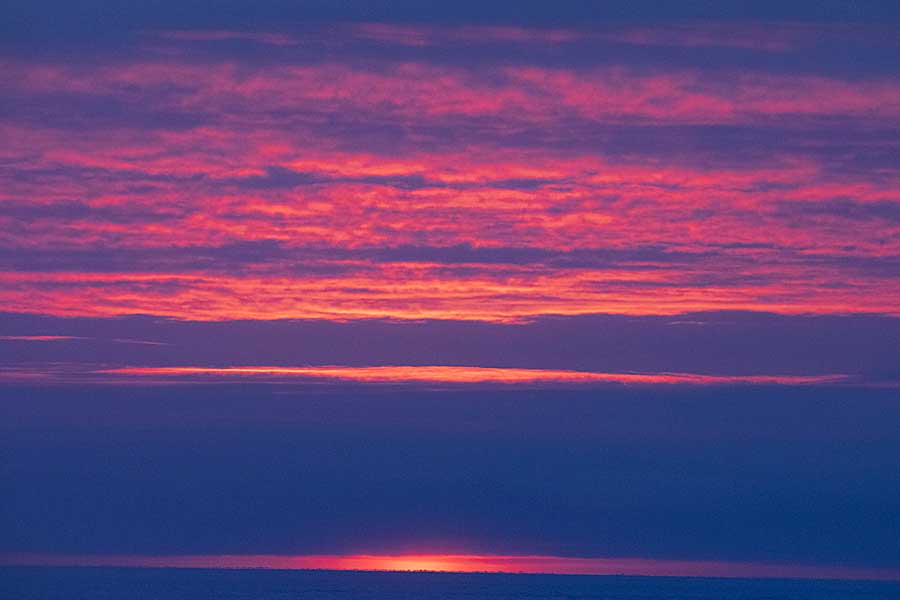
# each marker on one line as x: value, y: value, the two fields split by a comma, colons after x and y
x: 257, y: 168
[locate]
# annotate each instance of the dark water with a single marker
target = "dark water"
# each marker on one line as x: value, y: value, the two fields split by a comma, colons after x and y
x: 27, y: 583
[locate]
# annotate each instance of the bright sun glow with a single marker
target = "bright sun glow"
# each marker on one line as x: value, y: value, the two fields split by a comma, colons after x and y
x: 462, y: 563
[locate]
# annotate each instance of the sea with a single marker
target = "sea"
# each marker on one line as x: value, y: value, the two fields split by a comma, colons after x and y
x: 93, y: 583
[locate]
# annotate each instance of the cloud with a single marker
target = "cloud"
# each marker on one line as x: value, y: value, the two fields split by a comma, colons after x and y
x: 456, y: 374
x: 274, y: 39
x: 363, y: 170
x: 845, y: 209
x: 67, y: 338
x: 38, y: 338
x: 565, y: 472
x: 720, y: 344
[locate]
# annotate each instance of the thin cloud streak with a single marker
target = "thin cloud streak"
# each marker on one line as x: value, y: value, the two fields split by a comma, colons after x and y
x: 40, y: 338
x: 70, y: 338
x: 464, y: 374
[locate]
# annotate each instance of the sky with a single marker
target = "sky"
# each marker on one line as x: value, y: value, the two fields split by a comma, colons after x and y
x: 573, y: 287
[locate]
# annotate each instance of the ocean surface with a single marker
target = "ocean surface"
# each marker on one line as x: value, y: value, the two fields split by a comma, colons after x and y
x: 39, y: 583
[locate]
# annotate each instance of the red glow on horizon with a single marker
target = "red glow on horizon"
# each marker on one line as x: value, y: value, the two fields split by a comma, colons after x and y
x: 465, y: 563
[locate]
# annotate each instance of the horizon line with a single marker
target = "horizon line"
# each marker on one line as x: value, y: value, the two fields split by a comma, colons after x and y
x: 464, y: 563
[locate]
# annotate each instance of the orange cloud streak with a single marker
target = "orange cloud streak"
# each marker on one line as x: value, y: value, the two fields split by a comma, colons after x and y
x: 458, y: 374
x: 410, y: 291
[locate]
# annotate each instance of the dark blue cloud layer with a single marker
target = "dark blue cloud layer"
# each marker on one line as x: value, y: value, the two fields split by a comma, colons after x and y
x: 118, y: 29
x: 775, y: 474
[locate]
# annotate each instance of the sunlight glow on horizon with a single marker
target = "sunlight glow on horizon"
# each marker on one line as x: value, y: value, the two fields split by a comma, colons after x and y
x: 465, y: 563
